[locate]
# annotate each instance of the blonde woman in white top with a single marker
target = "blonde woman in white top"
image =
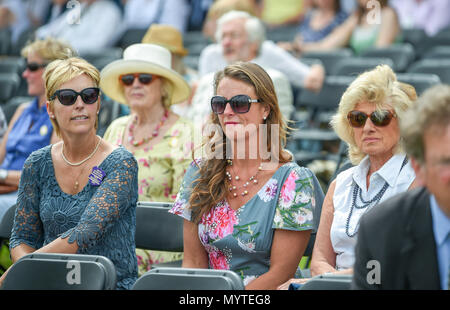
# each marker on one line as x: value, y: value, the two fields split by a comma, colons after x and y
x: 367, y: 120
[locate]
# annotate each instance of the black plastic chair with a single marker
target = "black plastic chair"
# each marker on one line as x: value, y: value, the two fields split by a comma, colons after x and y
x: 438, y: 52
x: 328, y: 282
x: 52, y: 271
x: 188, y: 279
x: 101, y: 57
x: 6, y: 223
x: 159, y: 230
x: 9, y: 84
x: 420, y: 81
x: 109, y: 111
x: 401, y: 55
x: 12, y: 104
x: 440, y: 67
x: 329, y: 59
x: 356, y: 65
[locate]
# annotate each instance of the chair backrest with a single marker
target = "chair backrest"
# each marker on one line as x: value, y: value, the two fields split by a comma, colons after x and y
x: 157, y: 229
x: 420, y: 81
x: 440, y: 67
x: 440, y: 51
x: 328, y: 282
x: 109, y: 111
x: 401, y: 55
x: 9, y: 84
x: 329, y: 96
x: 53, y: 271
x: 357, y: 65
x: 330, y: 58
x: 189, y: 279
x: 9, y: 108
x: 6, y: 222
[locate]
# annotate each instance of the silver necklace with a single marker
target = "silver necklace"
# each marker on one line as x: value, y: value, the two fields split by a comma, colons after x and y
x: 84, y: 160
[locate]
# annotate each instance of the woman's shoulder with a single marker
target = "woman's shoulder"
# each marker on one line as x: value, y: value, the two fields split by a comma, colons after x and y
x: 120, y: 121
x: 120, y: 155
x: 40, y: 153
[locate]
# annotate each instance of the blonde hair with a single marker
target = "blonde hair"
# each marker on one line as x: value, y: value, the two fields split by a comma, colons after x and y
x: 212, y: 185
x: 59, y: 72
x: 378, y: 86
x: 49, y: 49
x: 431, y: 109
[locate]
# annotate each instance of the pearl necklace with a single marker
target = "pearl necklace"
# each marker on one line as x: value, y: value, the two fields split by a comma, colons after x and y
x: 251, y: 180
x: 84, y: 160
x: 146, y: 139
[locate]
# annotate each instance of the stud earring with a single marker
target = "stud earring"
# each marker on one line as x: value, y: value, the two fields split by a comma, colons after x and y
x: 265, y: 118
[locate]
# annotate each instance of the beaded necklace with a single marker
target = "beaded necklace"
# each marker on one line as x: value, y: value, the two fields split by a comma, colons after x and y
x: 374, y: 201
x: 251, y: 180
x: 146, y: 139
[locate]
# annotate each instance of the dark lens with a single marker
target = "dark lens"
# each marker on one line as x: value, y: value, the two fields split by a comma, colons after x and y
x: 127, y: 79
x: 89, y: 95
x: 218, y: 104
x: 67, y: 96
x: 240, y: 103
x: 145, y: 78
x: 381, y: 118
x: 33, y: 66
x: 356, y: 118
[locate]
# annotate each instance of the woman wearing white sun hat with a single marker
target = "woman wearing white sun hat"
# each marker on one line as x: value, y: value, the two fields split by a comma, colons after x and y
x: 159, y: 139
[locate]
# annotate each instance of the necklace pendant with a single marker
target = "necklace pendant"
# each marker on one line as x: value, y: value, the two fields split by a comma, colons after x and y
x: 234, y: 195
x: 76, y: 185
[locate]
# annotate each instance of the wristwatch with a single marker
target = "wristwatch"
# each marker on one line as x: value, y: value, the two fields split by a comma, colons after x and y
x: 3, y: 174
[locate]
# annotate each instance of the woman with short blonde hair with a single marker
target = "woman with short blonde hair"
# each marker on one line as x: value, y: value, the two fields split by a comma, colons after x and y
x: 78, y: 195
x: 368, y: 120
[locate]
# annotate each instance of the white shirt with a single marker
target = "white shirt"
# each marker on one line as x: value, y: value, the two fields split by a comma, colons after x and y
x: 270, y: 56
x: 85, y: 27
x: 201, y: 108
x: 399, y: 181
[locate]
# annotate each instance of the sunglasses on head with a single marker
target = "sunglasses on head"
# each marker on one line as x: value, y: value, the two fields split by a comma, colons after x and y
x: 34, y: 66
x: 239, y: 103
x: 380, y: 118
x: 128, y: 79
x: 69, y: 96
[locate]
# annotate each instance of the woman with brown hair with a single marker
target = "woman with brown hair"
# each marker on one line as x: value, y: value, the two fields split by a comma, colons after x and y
x: 246, y: 202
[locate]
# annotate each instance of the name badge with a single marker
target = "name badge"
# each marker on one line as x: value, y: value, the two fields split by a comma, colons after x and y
x: 96, y: 177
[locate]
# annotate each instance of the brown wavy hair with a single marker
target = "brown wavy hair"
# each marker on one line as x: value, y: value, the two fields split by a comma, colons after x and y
x: 211, y: 184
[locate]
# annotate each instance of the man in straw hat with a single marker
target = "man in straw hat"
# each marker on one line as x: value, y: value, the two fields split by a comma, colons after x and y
x: 159, y: 139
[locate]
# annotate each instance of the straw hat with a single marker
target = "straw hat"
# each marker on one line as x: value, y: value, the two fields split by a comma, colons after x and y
x: 166, y: 36
x: 143, y: 58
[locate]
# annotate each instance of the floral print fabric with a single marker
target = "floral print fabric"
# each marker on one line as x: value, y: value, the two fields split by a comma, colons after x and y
x: 241, y: 240
x: 161, y: 170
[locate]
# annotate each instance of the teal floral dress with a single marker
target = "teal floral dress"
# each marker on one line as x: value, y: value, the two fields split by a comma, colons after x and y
x: 241, y: 240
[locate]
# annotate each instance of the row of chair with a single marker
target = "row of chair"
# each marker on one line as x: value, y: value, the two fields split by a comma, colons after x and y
x: 65, y: 271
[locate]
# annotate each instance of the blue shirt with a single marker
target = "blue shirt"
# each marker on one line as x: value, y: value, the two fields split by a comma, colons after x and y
x: 313, y: 35
x: 30, y: 132
x: 441, y: 229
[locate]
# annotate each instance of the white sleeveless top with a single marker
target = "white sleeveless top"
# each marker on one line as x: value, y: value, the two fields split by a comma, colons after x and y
x: 398, y: 180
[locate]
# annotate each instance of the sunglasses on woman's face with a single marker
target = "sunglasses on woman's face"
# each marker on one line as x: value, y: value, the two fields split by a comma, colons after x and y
x: 381, y: 118
x: 69, y: 96
x: 144, y: 78
x: 239, y: 103
x: 34, y: 66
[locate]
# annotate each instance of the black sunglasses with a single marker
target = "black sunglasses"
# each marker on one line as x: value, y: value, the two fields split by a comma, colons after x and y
x: 128, y: 79
x: 239, y: 103
x: 380, y: 118
x: 34, y: 66
x: 69, y: 96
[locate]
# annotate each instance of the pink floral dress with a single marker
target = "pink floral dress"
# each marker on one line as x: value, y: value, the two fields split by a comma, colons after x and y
x: 241, y: 240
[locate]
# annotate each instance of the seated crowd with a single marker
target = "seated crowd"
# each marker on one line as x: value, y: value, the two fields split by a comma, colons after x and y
x: 212, y: 141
